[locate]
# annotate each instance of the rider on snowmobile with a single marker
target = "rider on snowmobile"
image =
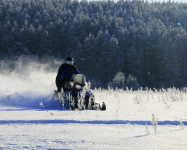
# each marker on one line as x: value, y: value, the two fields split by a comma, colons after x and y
x: 66, y: 73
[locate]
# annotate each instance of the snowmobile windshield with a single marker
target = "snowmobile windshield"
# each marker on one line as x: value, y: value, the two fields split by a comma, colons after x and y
x: 80, y: 79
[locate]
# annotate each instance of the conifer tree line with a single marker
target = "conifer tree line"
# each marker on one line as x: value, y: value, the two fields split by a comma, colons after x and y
x: 111, y: 42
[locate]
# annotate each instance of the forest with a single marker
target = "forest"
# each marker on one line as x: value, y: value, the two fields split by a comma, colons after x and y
x: 114, y: 43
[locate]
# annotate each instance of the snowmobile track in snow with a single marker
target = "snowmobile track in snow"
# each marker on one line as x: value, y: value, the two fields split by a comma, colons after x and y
x: 110, y: 122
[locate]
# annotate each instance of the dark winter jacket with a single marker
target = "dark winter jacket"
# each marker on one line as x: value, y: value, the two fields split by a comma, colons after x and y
x: 65, y: 73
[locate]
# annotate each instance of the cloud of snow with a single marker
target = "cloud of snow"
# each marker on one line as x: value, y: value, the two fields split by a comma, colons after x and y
x: 27, y: 81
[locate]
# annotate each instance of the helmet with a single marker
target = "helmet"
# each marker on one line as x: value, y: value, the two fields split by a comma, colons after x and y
x: 69, y: 60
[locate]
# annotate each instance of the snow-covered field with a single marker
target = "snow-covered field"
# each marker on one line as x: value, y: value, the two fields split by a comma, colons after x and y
x: 140, y: 120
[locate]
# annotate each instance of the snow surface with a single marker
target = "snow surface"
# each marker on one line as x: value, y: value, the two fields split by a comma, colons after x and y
x: 139, y: 120
x: 121, y: 126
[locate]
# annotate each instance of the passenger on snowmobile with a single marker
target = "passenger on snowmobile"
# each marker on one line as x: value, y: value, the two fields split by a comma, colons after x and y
x: 66, y: 73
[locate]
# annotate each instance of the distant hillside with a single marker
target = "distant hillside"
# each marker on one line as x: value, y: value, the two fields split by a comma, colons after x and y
x: 141, y: 39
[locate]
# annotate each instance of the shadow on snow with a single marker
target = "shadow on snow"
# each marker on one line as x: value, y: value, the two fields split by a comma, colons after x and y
x: 25, y: 102
x: 109, y: 122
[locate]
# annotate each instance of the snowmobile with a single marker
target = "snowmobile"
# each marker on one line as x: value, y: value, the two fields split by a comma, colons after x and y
x: 78, y: 95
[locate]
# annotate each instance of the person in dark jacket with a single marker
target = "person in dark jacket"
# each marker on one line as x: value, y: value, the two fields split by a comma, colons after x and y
x: 66, y: 73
